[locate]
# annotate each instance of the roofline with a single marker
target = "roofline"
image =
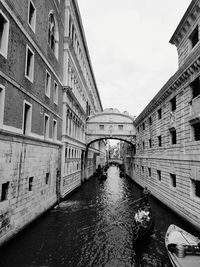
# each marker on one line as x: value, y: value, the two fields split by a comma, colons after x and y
x: 78, y: 15
x: 172, y: 80
x: 190, y: 7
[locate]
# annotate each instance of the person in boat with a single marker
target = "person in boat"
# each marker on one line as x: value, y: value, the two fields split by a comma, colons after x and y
x: 145, y: 195
x: 142, y: 216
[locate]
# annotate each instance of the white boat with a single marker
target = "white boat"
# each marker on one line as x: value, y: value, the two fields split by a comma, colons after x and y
x: 182, y: 247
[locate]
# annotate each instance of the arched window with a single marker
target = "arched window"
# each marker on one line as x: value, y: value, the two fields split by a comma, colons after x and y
x: 53, y: 38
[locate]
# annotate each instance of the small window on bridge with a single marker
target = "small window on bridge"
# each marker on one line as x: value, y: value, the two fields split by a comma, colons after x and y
x: 101, y: 127
x: 120, y: 127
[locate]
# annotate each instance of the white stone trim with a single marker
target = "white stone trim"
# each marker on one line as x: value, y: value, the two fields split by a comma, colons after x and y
x: 46, y: 136
x: 12, y: 129
x: 55, y: 93
x: 29, y: 119
x: 2, y: 101
x: 34, y: 19
x: 54, y: 130
x: 5, y: 35
x: 48, y: 84
x: 32, y: 63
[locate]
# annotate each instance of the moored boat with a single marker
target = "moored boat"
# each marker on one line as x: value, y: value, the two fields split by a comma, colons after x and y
x: 183, y: 248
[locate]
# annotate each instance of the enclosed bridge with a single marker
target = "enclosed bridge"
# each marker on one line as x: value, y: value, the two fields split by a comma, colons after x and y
x: 110, y: 124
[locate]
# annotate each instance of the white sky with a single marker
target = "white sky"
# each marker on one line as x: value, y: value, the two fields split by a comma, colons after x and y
x: 129, y: 47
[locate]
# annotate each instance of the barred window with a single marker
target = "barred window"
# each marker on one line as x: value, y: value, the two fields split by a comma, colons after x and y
x: 194, y: 37
x: 172, y: 180
x: 173, y: 104
x: 159, y: 175
x: 196, y: 131
x: 195, y: 85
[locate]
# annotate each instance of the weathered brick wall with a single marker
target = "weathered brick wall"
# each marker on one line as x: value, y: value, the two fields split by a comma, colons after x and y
x: 21, y: 159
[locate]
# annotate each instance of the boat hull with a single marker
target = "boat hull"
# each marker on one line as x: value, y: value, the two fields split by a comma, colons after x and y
x: 181, y: 240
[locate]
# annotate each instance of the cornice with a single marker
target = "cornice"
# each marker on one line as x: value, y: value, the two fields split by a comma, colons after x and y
x: 190, y: 68
x: 81, y: 29
x: 190, y: 15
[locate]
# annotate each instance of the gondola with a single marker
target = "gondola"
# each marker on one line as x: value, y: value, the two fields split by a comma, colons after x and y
x: 144, y: 225
x: 183, y: 248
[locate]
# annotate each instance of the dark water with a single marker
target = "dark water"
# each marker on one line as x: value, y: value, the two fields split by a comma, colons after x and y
x: 93, y: 228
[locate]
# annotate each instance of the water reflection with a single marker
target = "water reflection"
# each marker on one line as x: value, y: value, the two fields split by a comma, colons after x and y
x: 92, y: 228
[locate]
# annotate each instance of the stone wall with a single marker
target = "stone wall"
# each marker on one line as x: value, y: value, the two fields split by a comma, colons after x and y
x: 26, y: 198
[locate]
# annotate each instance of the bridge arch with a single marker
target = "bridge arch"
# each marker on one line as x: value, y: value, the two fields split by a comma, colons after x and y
x: 110, y: 124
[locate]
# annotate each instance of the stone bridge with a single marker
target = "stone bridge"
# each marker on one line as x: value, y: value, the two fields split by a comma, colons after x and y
x: 110, y: 124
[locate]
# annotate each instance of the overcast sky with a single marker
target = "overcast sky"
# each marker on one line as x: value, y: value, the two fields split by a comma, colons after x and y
x: 129, y: 47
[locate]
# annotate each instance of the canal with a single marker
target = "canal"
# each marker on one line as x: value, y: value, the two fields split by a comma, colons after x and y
x: 93, y: 227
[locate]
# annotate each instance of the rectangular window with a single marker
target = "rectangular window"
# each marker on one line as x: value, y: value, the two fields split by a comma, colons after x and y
x: 159, y: 114
x: 195, y: 85
x: 120, y: 127
x: 150, y: 143
x: 54, y: 133
x: 194, y: 37
x: 142, y: 169
x: 150, y: 121
x: 48, y: 84
x: 47, y: 178
x: 29, y: 66
x: 4, y: 191
x: 149, y: 171
x: 55, y: 93
x: 30, y: 184
x: 159, y: 140
x: 2, y: 97
x: 196, y: 188
x: 172, y: 180
x: 159, y: 175
x: 173, y: 136
x: 143, y: 126
x: 4, y: 32
x: 196, y: 131
x: 173, y: 104
x: 46, y: 126
x: 101, y: 127
x: 143, y: 145
x: 31, y: 15
x: 27, y: 116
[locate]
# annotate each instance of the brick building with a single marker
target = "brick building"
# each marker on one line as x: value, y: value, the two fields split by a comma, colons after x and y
x: 167, y: 157
x: 47, y: 90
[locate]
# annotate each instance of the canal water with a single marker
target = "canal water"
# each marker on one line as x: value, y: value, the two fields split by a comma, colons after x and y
x: 94, y: 227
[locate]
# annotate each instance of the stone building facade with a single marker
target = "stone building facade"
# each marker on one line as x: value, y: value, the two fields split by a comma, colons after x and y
x: 167, y: 157
x: 45, y: 98
x: 80, y: 100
